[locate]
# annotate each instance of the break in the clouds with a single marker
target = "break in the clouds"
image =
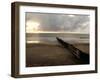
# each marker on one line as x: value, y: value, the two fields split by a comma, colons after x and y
x: 57, y: 22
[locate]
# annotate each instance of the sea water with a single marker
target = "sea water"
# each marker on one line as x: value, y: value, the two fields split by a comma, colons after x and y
x: 51, y: 37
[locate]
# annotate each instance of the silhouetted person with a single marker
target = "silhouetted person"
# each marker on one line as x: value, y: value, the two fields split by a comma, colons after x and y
x: 75, y: 51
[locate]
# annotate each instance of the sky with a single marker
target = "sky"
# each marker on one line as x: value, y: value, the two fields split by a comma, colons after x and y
x: 51, y: 22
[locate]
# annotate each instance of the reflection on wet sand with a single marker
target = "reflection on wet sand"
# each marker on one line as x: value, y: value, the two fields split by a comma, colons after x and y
x: 41, y: 54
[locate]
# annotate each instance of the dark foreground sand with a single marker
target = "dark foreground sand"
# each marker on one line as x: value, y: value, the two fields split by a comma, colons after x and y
x: 51, y: 55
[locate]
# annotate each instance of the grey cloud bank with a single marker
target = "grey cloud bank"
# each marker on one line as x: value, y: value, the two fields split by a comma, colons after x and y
x: 60, y: 22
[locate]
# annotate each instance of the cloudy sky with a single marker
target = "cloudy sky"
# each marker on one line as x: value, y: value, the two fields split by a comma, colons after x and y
x: 57, y: 22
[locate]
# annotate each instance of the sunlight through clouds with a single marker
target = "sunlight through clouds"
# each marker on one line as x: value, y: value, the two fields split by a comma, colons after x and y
x: 40, y: 22
x: 32, y: 26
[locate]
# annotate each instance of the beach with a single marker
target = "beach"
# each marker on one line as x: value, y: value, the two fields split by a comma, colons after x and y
x: 43, y: 54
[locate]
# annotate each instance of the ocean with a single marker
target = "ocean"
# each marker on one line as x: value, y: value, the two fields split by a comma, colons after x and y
x: 51, y: 37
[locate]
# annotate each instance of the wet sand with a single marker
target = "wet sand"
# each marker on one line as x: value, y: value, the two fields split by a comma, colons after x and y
x: 51, y: 55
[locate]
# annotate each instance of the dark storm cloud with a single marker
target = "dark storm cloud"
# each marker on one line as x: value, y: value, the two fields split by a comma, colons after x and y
x: 60, y: 22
